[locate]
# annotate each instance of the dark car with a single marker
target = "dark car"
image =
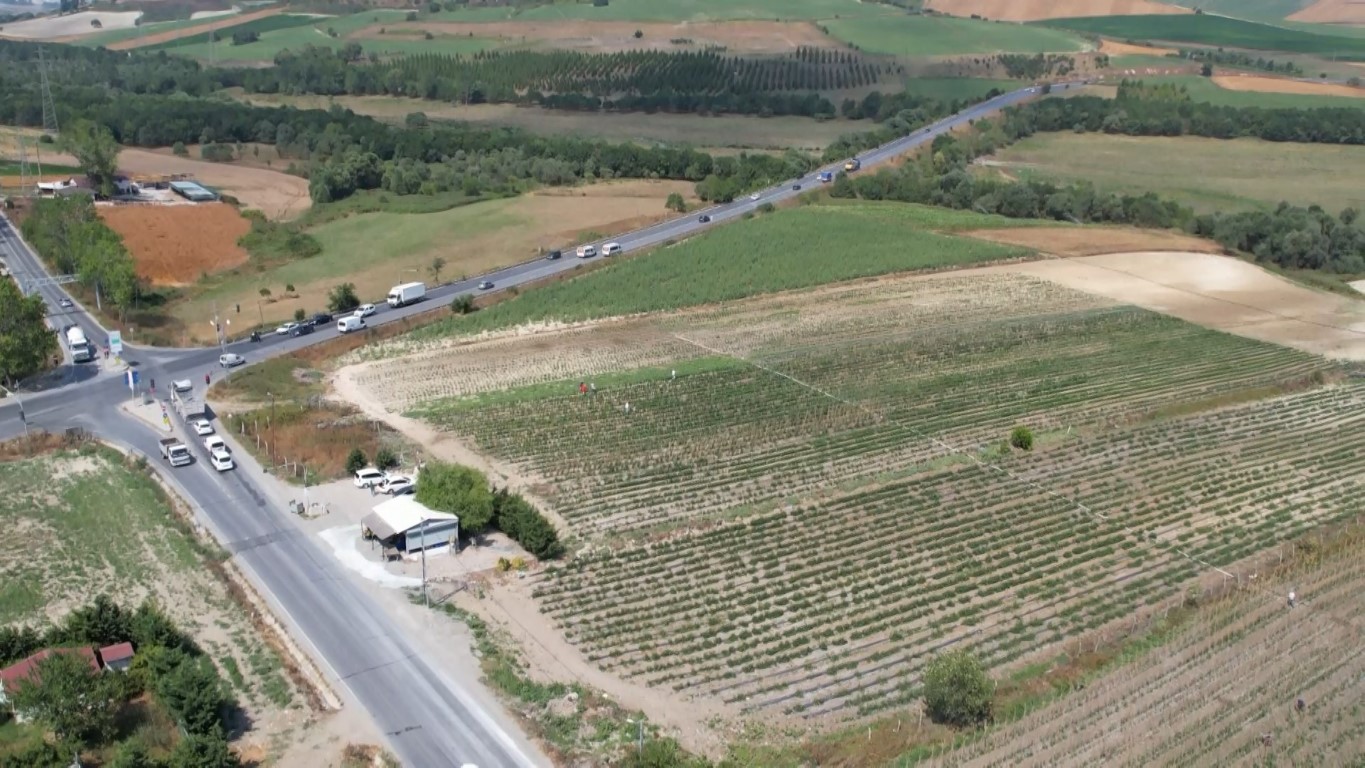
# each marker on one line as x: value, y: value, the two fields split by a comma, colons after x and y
x: 552, y: 255
x: 796, y: 187
x: 301, y: 329
x: 704, y: 219
x: 321, y: 318
x: 485, y: 285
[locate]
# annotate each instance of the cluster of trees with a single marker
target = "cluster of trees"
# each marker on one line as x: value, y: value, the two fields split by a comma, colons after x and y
x: 1022, y: 66
x: 26, y: 343
x: 1237, y: 59
x: 71, y: 237
x: 900, y: 114
x: 465, y: 492
x: 81, y: 707
x: 648, y: 80
x: 1290, y: 236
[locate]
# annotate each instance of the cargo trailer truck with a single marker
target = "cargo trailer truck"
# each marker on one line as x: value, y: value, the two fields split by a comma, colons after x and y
x: 407, y: 293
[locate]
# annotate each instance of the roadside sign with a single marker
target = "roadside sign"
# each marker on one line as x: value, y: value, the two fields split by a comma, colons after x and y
x: 115, y: 343
x: 131, y: 376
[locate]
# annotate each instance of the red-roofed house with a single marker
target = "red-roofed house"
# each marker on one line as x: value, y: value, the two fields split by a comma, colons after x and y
x: 13, y: 676
x: 117, y: 657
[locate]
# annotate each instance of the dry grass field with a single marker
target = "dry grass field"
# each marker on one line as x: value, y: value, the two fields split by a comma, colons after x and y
x: 1258, y: 84
x: 1033, y: 10
x: 1332, y: 12
x: 175, y: 245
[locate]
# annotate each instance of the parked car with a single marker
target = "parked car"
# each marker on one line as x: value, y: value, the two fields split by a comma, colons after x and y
x: 485, y: 285
x: 202, y: 427
x: 796, y: 187
x: 321, y: 318
x: 301, y: 329
x: 221, y: 460
x: 286, y: 329
x: 399, y: 485
x: 364, y: 310
x: 231, y: 360
x: 215, y: 443
x: 369, y: 476
x: 552, y: 255
x: 705, y: 219
x: 65, y: 303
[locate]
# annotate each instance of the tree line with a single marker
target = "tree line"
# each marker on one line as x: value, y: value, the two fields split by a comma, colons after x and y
x: 1237, y: 59
x: 1289, y: 236
x: 27, y: 345
x: 71, y: 237
x: 648, y: 80
x: 81, y: 707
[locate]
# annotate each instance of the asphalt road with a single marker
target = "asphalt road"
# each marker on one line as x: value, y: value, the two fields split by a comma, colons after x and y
x: 430, y: 719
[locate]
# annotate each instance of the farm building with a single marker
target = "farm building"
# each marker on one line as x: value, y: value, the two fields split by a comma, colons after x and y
x: 17, y: 674
x: 193, y: 192
x: 117, y: 657
x: 398, y: 525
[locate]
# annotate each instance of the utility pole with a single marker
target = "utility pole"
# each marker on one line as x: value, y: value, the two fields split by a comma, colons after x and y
x: 425, y: 598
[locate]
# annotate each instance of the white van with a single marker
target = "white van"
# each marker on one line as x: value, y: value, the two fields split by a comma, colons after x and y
x: 587, y: 251
x: 352, y: 323
x: 611, y: 249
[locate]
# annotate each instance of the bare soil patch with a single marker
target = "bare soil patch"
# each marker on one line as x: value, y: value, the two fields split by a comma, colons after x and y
x: 74, y: 25
x: 1262, y: 84
x: 1115, y: 48
x: 1091, y: 241
x: 277, y: 195
x: 1032, y: 10
x: 176, y: 244
x: 1218, y: 292
x: 176, y: 34
x: 608, y: 36
x: 1332, y: 12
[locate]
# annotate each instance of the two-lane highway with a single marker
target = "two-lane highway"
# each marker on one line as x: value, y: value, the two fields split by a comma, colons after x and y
x: 430, y: 718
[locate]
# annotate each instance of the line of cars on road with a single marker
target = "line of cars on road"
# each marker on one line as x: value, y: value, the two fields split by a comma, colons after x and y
x: 178, y: 454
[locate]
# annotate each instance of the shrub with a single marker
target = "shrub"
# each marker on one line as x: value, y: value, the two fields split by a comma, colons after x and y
x: 1022, y: 438
x: 178, y: 148
x: 385, y: 459
x: 957, y: 691
x: 462, y: 304
x: 516, y: 517
x: 676, y: 203
x: 342, y: 298
x: 273, y: 241
x: 356, y: 461
x: 217, y: 153
x: 288, y: 287
x: 459, y: 490
x: 299, y: 314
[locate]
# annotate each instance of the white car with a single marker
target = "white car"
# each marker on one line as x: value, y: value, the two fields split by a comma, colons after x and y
x: 399, y: 485
x: 65, y: 303
x: 183, y: 385
x: 221, y: 460
x: 364, y: 310
x: 231, y: 360
x: 214, y: 443
x: 754, y: 196
x: 286, y: 329
x: 202, y: 427
x: 368, y: 477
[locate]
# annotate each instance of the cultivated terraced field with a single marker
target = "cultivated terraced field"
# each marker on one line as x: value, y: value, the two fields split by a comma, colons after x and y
x: 1211, y: 695
x: 819, y: 500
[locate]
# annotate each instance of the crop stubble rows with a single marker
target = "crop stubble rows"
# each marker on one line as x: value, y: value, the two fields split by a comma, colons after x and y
x: 799, y: 542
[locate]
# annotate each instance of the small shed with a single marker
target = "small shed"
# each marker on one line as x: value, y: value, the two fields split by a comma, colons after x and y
x: 117, y: 657
x: 399, y: 523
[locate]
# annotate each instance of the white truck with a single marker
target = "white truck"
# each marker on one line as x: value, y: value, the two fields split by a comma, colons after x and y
x: 81, y: 351
x: 587, y: 251
x: 407, y: 293
x: 175, y: 452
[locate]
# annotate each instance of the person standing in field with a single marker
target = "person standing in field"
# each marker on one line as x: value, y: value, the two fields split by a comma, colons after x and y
x: 582, y: 388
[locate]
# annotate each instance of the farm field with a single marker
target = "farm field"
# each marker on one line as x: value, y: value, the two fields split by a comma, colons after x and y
x: 873, y: 408
x: 1032, y: 10
x: 906, y: 35
x: 82, y: 523
x: 176, y: 245
x: 174, y: 30
x: 1248, y: 658
x: 1204, y: 89
x: 1331, y: 12
x: 729, y: 131
x: 1255, y: 84
x: 377, y: 250
x: 683, y: 10
x: 1260, y: 10
x: 73, y: 25
x: 737, y: 37
x: 784, y: 250
x: 1208, y: 29
x: 223, y: 29
x: 1206, y: 174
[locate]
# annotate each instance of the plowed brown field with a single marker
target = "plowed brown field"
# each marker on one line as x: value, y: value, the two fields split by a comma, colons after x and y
x: 1260, y: 84
x: 176, y: 244
x: 1333, y: 12
x: 1032, y: 10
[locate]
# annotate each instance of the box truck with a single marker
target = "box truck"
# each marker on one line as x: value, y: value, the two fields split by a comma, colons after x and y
x: 407, y: 293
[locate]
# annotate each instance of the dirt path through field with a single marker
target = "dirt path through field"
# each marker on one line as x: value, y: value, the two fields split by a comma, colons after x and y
x: 1216, y: 292
x: 1260, y: 84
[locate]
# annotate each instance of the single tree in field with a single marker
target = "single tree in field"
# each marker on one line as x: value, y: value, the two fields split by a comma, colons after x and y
x: 95, y: 148
x: 26, y: 343
x: 74, y: 701
x: 356, y: 461
x: 437, y: 264
x: 676, y: 203
x: 957, y: 691
x: 1021, y: 437
x: 342, y: 298
x: 1206, y: 70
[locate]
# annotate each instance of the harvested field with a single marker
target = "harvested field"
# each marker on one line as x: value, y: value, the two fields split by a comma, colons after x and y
x: 847, y: 405
x: 178, y: 244
x: 1260, y: 84
x: 1332, y: 12
x: 198, y: 29
x: 1115, y: 48
x: 1089, y: 241
x: 610, y: 36
x: 1217, y: 292
x: 276, y: 194
x: 1033, y: 10
x: 1223, y: 691
x: 73, y: 25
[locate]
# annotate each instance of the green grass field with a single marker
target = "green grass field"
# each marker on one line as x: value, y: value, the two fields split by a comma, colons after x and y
x: 1205, y: 29
x: 956, y: 88
x: 905, y: 35
x: 677, y: 10
x: 1205, y: 174
x: 1203, y: 89
x: 223, y: 36
x: 297, y: 38
x: 1259, y: 10
x: 775, y: 252
x: 118, y: 35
